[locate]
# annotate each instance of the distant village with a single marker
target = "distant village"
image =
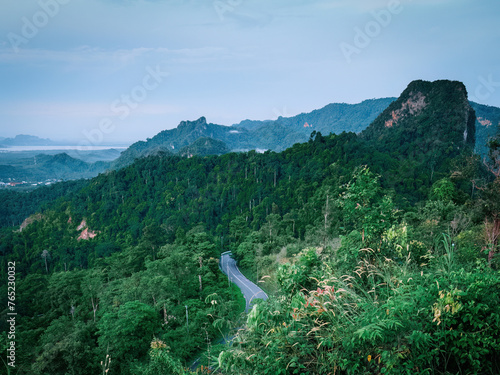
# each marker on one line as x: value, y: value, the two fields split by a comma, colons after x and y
x: 27, y: 184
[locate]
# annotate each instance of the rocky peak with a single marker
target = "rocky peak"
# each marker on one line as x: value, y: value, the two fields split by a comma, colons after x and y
x: 414, y: 105
x: 201, y: 122
x: 430, y: 111
x: 429, y: 124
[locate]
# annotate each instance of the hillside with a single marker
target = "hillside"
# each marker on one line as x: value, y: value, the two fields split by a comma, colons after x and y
x: 487, y: 126
x: 203, y: 147
x: 278, y: 135
x: 185, y: 134
x: 43, y: 167
x: 333, y: 118
x: 426, y: 114
x: 275, y: 135
x: 372, y: 247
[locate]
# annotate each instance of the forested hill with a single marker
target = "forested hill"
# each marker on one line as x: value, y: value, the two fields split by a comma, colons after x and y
x: 426, y: 115
x: 333, y: 118
x: 114, y: 267
x: 427, y: 127
x: 265, y: 135
x: 58, y: 166
x: 487, y: 126
x: 203, y: 147
x: 277, y: 135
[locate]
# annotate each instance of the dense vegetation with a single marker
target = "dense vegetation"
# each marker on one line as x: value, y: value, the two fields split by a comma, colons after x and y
x: 282, y: 133
x: 42, y: 167
x: 204, y: 146
x: 333, y: 118
x: 17, y: 206
x: 377, y: 260
x: 487, y: 126
x: 274, y: 135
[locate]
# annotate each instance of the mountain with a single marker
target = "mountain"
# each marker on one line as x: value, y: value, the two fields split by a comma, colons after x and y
x: 333, y: 118
x: 487, y: 126
x: 429, y: 115
x: 428, y: 128
x: 274, y: 135
x: 280, y: 134
x: 185, y: 134
x: 136, y: 250
x: 203, y: 147
x: 27, y: 140
x: 44, y: 167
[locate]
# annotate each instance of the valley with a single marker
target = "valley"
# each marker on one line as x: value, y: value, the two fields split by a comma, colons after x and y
x: 377, y: 247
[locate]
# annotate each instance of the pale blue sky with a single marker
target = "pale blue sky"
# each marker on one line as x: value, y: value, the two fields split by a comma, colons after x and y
x: 104, y: 71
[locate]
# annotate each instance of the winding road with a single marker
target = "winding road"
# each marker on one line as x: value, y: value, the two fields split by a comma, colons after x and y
x: 250, y: 290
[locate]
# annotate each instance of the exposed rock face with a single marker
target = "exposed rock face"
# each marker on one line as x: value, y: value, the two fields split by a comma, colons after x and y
x: 431, y: 114
x: 484, y: 121
x: 412, y: 106
x: 82, y: 225
x: 30, y: 220
x: 86, y: 233
x: 424, y: 130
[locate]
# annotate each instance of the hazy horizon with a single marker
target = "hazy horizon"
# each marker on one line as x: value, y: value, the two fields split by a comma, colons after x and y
x: 108, y: 71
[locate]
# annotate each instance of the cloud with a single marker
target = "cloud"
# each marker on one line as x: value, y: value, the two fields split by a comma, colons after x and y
x: 92, y: 55
x: 80, y: 109
x: 83, y: 54
x: 369, y: 5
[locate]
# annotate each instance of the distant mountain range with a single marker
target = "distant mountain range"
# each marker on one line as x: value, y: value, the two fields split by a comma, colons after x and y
x: 202, y: 138
x: 279, y: 134
x: 333, y: 118
x: 276, y: 135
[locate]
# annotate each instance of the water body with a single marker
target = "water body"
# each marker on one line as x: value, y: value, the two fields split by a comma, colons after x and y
x: 59, y: 148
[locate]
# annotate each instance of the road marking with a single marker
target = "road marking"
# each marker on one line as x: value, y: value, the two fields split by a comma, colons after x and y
x: 232, y: 271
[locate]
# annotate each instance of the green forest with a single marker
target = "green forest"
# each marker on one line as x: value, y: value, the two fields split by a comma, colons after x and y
x: 379, y: 252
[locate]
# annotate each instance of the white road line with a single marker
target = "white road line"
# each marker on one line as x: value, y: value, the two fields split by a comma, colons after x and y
x: 232, y: 271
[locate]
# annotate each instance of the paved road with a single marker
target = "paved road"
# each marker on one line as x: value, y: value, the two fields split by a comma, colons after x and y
x: 250, y: 290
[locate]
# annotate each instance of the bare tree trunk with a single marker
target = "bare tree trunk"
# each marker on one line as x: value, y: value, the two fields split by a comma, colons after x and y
x: 95, y: 305
x: 326, y: 220
x: 492, y: 234
x: 199, y: 275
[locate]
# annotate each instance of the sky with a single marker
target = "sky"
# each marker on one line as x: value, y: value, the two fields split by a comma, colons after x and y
x: 116, y: 71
